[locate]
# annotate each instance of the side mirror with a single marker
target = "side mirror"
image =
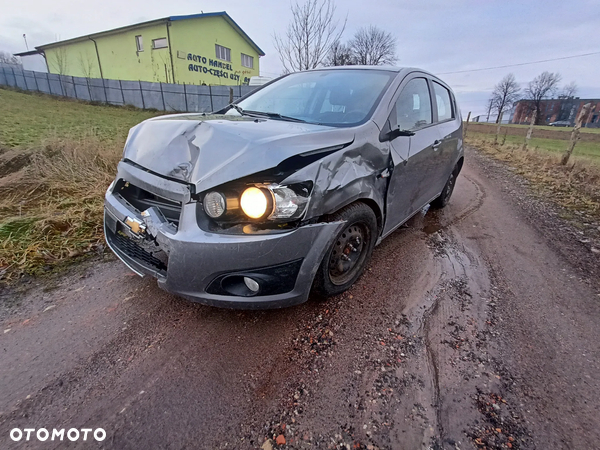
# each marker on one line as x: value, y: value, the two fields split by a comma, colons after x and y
x: 399, y: 132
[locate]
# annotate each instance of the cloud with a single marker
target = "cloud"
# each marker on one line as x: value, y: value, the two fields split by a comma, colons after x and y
x: 436, y: 35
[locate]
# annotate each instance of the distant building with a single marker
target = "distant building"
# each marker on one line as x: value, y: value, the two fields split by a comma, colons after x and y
x: 195, y: 49
x: 559, y: 109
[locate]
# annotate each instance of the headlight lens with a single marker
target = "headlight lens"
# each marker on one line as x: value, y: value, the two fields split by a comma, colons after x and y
x: 254, y: 202
x: 214, y: 204
x: 287, y: 203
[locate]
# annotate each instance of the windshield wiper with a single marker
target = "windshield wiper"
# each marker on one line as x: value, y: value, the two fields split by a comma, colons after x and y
x: 238, y: 108
x: 272, y: 115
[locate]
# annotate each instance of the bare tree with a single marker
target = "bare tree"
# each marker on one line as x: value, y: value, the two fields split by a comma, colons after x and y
x: 9, y: 58
x: 373, y: 47
x: 541, y: 87
x: 339, y: 54
x: 59, y: 60
x: 569, y: 90
x: 86, y: 64
x: 309, y: 36
x: 505, y: 94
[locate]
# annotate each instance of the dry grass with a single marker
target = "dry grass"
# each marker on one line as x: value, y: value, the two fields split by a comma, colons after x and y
x: 51, y: 208
x: 575, y: 186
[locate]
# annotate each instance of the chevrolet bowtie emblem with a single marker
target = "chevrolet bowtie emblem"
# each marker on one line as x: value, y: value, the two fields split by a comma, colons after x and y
x: 137, y: 226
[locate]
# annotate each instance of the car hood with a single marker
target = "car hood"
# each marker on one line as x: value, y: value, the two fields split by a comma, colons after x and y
x: 207, y: 151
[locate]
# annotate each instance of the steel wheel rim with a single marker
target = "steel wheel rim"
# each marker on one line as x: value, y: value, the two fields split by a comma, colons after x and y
x: 450, y: 188
x: 347, y: 253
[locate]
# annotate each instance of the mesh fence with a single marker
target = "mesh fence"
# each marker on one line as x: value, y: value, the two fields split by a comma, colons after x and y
x: 141, y: 94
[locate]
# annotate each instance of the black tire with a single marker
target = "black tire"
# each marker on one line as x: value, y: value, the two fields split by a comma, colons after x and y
x: 444, y: 197
x: 340, y: 267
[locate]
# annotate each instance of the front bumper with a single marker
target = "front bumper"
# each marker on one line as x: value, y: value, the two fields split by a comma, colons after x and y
x: 196, y: 260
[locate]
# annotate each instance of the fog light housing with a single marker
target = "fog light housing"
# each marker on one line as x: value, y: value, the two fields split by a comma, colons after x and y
x: 251, y: 284
x: 214, y: 204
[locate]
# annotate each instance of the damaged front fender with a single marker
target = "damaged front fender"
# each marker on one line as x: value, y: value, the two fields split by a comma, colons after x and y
x: 357, y: 172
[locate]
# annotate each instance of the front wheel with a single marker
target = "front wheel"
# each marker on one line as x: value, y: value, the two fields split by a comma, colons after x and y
x: 350, y: 251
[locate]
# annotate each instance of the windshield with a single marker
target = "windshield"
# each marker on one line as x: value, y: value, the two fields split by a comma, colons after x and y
x: 328, y: 97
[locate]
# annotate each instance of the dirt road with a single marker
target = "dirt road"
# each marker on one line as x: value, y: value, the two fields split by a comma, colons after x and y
x: 475, y: 327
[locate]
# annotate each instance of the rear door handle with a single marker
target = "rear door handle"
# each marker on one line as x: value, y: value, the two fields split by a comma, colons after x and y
x: 436, y: 144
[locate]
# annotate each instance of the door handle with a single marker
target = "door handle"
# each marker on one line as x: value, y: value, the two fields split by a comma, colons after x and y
x: 436, y: 144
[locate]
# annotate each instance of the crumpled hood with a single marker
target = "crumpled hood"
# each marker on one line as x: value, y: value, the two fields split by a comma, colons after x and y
x: 211, y: 150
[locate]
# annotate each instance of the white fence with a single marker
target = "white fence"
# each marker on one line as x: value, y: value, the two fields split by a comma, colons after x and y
x: 142, y: 94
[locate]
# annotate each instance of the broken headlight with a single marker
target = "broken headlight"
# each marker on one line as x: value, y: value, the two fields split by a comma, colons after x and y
x: 259, y: 202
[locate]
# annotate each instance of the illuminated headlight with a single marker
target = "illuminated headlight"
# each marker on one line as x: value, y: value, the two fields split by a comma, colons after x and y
x: 255, y: 202
x: 214, y: 204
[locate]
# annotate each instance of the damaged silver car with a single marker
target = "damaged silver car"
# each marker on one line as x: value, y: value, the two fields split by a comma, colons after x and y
x: 287, y: 190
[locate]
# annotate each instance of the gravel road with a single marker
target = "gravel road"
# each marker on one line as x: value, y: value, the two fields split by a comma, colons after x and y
x: 475, y: 327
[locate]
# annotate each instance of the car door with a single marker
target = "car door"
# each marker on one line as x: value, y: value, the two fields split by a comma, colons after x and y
x: 414, y: 166
x: 448, y: 132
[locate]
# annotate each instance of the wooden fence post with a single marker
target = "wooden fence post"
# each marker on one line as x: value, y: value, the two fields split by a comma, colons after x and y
x: 575, y: 133
x: 499, y: 126
x: 466, y: 126
x: 530, y: 130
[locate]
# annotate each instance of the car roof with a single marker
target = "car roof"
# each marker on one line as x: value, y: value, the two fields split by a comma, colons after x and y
x: 395, y: 69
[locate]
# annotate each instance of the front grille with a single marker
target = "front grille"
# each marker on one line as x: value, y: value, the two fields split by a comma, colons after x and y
x: 133, y: 250
x: 142, y: 200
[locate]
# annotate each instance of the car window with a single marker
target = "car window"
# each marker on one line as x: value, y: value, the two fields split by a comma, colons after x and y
x: 444, y: 104
x: 413, y: 107
x: 331, y: 97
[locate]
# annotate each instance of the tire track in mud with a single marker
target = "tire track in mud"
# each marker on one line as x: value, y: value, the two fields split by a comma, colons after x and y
x: 397, y: 387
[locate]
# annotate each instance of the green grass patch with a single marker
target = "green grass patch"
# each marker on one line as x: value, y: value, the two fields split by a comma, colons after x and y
x: 57, y: 157
x: 29, y: 118
x: 586, y: 149
x: 566, y: 130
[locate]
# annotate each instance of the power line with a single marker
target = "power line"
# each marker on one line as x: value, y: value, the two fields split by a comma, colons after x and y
x: 521, y: 64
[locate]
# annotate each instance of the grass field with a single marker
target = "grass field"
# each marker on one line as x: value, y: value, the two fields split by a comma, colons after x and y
x: 559, y: 146
x: 566, y: 130
x: 574, y: 186
x: 57, y: 158
x: 27, y: 119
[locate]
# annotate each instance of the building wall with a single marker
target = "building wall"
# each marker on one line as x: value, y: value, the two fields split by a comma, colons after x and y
x: 191, y: 47
x: 121, y: 60
x: 119, y: 57
x: 77, y: 59
x: 194, y: 55
x: 553, y: 110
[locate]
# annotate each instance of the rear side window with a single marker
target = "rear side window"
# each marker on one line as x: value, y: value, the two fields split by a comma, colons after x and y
x: 444, y: 102
x: 413, y: 107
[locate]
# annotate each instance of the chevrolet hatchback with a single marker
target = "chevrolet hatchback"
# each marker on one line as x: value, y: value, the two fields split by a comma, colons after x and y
x: 286, y: 191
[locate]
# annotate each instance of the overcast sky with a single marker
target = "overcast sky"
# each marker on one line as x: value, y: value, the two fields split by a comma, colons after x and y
x: 438, y: 35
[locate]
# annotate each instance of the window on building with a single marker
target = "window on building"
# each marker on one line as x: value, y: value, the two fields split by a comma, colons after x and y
x: 247, y: 61
x: 159, y: 43
x: 139, y: 43
x: 444, y: 105
x: 223, y: 53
